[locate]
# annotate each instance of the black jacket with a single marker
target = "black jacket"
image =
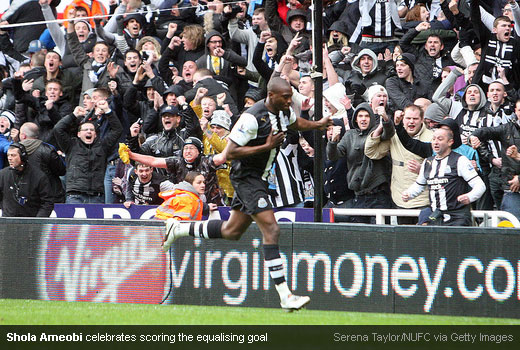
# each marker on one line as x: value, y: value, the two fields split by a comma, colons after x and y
x: 45, y: 157
x: 25, y: 193
x: 508, y: 134
x: 86, y: 164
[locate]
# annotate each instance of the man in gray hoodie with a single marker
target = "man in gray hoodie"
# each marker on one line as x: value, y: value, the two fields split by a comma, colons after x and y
x: 470, y: 114
x: 366, y: 70
x: 368, y: 178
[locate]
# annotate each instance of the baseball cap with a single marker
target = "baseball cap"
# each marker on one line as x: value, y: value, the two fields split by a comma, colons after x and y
x: 169, y: 110
x: 35, y: 46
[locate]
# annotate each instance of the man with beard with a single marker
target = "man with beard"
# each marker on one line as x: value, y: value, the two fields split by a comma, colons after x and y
x: 430, y: 58
x: 46, y: 158
x: 384, y: 141
x: 166, y: 143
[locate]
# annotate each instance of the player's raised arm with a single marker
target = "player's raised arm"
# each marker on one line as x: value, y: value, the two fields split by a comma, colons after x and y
x: 302, y: 124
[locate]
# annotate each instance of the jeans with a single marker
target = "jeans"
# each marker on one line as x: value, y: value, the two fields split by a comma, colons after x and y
x: 110, y: 173
x: 83, y: 198
x: 511, y: 203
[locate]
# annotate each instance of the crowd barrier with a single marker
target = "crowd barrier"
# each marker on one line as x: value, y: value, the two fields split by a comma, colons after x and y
x: 367, y: 268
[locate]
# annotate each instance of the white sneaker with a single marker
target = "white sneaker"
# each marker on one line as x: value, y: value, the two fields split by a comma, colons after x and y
x: 294, y: 302
x: 172, y: 225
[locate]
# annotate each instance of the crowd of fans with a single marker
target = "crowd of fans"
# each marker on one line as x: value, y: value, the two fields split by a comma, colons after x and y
x: 170, y: 79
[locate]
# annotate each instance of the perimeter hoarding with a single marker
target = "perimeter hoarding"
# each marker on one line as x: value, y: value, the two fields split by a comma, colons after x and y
x: 405, y: 269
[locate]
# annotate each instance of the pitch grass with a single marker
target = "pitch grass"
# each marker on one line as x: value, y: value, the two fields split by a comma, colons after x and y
x: 37, y: 312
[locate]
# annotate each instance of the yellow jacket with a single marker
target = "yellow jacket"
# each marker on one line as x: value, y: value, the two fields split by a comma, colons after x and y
x: 215, y: 145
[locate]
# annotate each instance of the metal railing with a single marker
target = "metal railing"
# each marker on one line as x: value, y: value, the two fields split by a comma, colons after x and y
x: 491, y: 218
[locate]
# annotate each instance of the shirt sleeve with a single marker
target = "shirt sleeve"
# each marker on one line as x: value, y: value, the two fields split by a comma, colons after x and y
x: 245, y: 129
x: 465, y: 169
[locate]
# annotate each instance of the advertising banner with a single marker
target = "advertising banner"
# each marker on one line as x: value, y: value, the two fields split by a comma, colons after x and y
x: 366, y: 268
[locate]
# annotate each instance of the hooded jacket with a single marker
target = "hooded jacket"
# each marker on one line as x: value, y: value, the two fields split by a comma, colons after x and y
x: 468, y: 120
x: 227, y: 61
x: 364, y: 174
x: 377, y: 75
x: 334, y: 94
x: 182, y: 203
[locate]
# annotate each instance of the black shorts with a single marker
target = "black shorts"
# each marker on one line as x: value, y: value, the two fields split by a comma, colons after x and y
x: 250, y: 195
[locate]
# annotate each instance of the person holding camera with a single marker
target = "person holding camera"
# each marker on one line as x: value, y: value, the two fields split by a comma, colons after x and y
x: 24, y: 189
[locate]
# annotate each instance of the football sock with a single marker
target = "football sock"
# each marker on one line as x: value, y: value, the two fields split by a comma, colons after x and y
x: 206, y: 229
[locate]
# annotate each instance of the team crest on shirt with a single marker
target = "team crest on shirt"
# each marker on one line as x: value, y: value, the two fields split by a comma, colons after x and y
x: 262, y: 203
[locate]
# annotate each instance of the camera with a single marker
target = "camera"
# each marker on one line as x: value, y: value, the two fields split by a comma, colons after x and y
x: 256, y: 29
x: 147, y: 55
x: 140, y: 121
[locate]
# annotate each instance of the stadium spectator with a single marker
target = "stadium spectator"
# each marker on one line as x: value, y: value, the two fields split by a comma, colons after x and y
x: 44, y: 157
x: 369, y: 179
x: 24, y: 189
x: 447, y: 174
x: 186, y: 201
x: 508, y: 134
x: 405, y: 164
x: 144, y: 186
x: 86, y: 154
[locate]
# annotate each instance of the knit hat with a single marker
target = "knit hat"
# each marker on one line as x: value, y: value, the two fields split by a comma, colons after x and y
x: 195, y: 142
x: 9, y: 116
x: 408, y: 59
x: 89, y: 92
x: 221, y: 118
x: 375, y: 89
x: 254, y: 94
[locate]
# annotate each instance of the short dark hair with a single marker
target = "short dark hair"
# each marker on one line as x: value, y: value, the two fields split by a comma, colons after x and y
x: 134, y: 51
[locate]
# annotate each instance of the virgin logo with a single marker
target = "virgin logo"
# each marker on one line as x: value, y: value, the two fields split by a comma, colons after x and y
x: 102, y: 264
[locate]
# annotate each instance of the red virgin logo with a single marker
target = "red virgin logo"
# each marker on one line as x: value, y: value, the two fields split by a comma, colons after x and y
x: 102, y: 264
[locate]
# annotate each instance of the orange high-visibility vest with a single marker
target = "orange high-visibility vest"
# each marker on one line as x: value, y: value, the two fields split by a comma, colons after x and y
x: 180, y: 204
x: 97, y: 8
